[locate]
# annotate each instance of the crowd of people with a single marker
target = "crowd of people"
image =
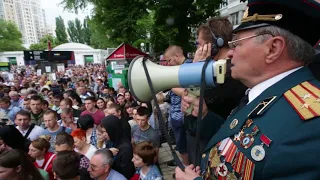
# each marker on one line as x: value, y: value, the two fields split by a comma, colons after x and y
x: 75, y: 129
x: 263, y: 118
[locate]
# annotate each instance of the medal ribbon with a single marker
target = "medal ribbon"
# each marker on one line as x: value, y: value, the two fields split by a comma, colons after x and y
x: 239, y: 162
x: 248, y: 171
x: 265, y: 140
x: 231, y: 153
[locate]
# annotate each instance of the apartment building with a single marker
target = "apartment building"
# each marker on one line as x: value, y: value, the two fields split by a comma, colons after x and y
x: 234, y: 9
x: 29, y: 17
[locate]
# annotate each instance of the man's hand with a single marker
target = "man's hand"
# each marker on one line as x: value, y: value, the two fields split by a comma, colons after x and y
x: 190, y: 173
x: 202, y: 53
x: 186, y: 101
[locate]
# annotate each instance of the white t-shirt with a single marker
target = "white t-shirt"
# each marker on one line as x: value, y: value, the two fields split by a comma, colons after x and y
x: 90, y: 151
x: 35, y: 133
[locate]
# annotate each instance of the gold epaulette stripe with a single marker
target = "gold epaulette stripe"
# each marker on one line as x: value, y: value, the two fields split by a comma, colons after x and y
x: 304, y: 98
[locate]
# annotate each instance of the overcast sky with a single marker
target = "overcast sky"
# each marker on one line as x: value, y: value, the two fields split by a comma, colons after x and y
x: 53, y: 10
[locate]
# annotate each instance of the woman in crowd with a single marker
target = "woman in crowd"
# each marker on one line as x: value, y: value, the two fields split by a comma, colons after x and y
x: 128, y: 111
x: 86, y: 123
x: 129, y: 98
x: 81, y: 146
x: 101, y: 104
x: 101, y: 138
x: 112, y: 129
x: 121, y: 101
x: 38, y: 150
x: 17, y: 165
x: 144, y: 159
x: 109, y: 101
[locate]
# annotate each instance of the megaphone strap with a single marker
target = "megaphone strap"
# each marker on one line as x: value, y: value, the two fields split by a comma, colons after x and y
x: 161, y: 120
x: 202, y: 87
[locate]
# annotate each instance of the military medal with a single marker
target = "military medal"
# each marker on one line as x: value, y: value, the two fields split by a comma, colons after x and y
x: 247, y: 140
x: 222, y: 170
x: 257, y: 152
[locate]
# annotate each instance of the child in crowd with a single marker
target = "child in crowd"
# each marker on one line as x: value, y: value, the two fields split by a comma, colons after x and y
x: 101, y: 139
x: 144, y: 159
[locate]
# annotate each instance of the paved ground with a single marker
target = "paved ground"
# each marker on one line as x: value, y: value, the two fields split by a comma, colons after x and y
x: 164, y: 157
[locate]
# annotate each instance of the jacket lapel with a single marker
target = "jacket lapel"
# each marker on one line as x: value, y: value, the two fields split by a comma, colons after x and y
x: 278, y: 89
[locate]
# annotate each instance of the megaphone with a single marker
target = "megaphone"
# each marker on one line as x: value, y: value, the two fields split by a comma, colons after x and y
x: 187, y: 75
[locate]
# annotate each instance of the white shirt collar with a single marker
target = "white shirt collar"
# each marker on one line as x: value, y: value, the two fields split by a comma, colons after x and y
x: 259, y: 88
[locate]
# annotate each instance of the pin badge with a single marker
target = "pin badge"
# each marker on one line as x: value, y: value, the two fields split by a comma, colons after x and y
x: 234, y: 123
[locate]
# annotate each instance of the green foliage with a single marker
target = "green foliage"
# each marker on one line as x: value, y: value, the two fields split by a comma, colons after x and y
x: 79, y: 33
x: 86, y: 31
x: 167, y: 21
x: 61, y: 30
x: 43, y: 44
x: 10, y: 37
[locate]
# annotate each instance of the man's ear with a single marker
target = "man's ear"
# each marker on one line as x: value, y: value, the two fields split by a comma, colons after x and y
x: 18, y: 168
x: 107, y: 168
x: 276, y: 46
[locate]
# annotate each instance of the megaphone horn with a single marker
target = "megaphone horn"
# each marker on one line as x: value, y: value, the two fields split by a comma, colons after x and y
x: 187, y: 75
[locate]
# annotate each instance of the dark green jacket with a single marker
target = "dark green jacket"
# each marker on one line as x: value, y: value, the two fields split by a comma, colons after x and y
x: 293, y: 153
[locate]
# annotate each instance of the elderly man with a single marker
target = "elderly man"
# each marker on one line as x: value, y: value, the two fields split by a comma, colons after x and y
x: 100, y: 166
x: 16, y: 100
x: 274, y: 132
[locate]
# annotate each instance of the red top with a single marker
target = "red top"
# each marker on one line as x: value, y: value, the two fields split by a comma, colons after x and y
x: 47, y: 164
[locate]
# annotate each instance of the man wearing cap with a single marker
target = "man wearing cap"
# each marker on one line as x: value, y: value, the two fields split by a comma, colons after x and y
x: 274, y: 131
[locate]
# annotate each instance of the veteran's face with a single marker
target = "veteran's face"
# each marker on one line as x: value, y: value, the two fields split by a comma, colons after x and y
x: 247, y: 58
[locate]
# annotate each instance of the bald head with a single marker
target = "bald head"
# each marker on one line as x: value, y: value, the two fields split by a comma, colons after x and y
x: 174, y: 55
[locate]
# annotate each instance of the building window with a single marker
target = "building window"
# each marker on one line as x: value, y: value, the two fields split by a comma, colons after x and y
x: 234, y: 18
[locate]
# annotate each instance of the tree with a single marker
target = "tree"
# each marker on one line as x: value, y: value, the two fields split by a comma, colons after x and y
x: 78, y: 32
x: 117, y: 18
x: 87, y: 31
x: 61, y: 30
x: 172, y: 19
x: 43, y: 44
x: 10, y: 37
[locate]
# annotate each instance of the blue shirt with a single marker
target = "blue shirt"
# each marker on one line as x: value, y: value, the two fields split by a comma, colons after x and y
x: 175, y: 110
x: 11, y: 112
x: 114, y: 175
x: 18, y: 103
x: 53, y: 136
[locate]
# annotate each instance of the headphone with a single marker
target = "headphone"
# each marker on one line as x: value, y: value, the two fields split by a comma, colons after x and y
x: 217, y: 43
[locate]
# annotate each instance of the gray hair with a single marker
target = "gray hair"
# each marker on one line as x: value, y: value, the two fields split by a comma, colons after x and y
x: 298, y: 49
x: 24, y: 92
x: 106, y: 154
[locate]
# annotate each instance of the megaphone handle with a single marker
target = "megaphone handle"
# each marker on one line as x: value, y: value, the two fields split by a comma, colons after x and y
x: 194, y: 93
